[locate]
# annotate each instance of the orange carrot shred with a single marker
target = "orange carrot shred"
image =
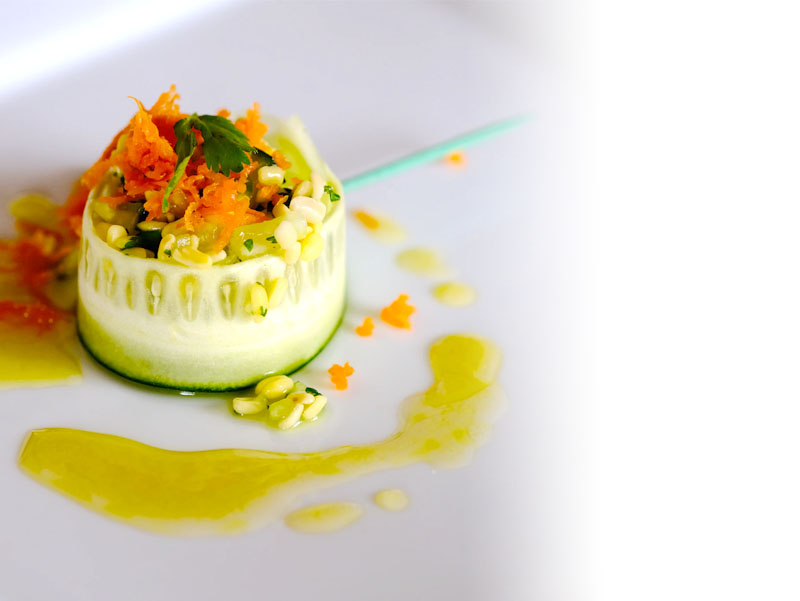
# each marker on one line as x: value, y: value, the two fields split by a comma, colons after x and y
x: 252, y: 127
x: 339, y: 375
x: 398, y: 312
x: 280, y: 160
x: 365, y: 329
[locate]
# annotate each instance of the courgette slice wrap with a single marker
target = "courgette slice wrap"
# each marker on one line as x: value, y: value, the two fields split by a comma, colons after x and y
x: 182, y: 327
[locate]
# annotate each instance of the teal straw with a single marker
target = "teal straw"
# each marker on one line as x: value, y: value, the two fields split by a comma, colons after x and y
x: 433, y: 153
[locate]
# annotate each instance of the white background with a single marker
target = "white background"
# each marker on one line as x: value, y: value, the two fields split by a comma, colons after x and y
x: 690, y: 432
x: 664, y: 450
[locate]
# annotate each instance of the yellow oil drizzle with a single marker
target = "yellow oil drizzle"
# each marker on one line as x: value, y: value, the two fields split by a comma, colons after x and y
x: 455, y: 294
x: 231, y: 490
x: 31, y: 358
x: 422, y: 261
x: 327, y: 517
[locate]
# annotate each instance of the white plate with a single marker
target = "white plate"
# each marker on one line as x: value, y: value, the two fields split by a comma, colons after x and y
x: 372, y: 83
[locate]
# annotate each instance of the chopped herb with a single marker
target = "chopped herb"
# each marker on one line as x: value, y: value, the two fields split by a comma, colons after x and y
x: 173, y: 181
x: 263, y: 156
x: 263, y: 311
x: 168, y: 252
x: 149, y: 240
x: 313, y: 391
x: 248, y: 244
x: 334, y: 196
x: 272, y: 239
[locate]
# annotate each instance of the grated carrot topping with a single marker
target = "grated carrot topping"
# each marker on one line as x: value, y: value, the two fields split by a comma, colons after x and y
x: 339, y: 375
x: 367, y: 220
x: 366, y: 328
x: 252, y: 127
x: 280, y: 160
x: 398, y: 312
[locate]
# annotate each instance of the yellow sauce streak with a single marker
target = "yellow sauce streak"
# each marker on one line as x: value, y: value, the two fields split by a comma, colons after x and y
x: 455, y: 294
x: 328, y: 517
x: 391, y: 499
x: 380, y: 227
x: 422, y: 261
x: 230, y: 490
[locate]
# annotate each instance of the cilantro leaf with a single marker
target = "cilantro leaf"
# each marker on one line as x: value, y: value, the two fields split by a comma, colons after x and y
x: 248, y: 244
x: 272, y: 239
x: 263, y: 157
x: 313, y: 391
x: 149, y: 240
x: 334, y: 196
x: 263, y: 311
x: 186, y: 140
x: 224, y: 147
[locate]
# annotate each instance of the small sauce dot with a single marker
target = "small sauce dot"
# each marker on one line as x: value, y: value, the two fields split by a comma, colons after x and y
x: 327, y: 517
x: 391, y: 499
x: 455, y: 294
x: 422, y: 261
x: 380, y: 227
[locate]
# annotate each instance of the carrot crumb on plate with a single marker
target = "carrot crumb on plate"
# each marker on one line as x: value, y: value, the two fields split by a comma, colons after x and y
x: 339, y: 375
x: 397, y: 313
x: 456, y: 159
x: 365, y: 329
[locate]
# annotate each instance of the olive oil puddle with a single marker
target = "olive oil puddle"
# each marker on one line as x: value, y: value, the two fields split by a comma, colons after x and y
x: 32, y: 358
x: 233, y: 490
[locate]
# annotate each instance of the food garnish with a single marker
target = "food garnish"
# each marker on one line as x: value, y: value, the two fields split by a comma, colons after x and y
x: 365, y: 329
x: 398, y: 312
x: 339, y: 375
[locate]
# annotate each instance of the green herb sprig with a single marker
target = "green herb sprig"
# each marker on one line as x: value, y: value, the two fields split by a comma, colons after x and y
x: 149, y: 240
x: 333, y: 194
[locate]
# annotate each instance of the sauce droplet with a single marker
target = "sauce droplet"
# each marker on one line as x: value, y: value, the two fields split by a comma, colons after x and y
x: 391, y: 499
x: 422, y: 261
x: 380, y: 227
x: 455, y: 294
x: 327, y: 517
